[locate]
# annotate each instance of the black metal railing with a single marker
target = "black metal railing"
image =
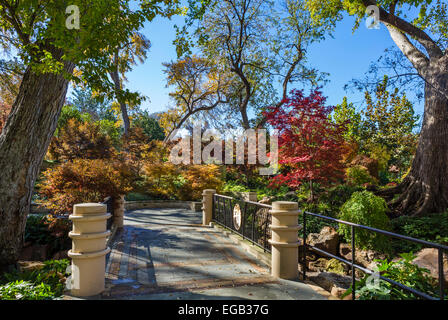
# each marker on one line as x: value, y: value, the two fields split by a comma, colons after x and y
x: 354, y: 266
x: 109, y: 202
x: 251, y: 220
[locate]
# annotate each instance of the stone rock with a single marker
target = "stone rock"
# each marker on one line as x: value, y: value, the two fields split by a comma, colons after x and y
x: 266, y: 200
x: 30, y: 265
x: 318, y: 265
x: 339, y: 292
x: 336, y: 266
x: 328, y: 280
x: 364, y: 258
x: 310, y: 255
x: 327, y: 240
x: 428, y: 258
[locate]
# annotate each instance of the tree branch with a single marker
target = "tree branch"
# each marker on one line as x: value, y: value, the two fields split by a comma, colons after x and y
x: 390, y: 18
x: 415, y: 56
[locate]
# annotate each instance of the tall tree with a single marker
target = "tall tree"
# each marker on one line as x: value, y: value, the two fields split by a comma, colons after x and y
x: 310, y: 144
x: 149, y: 125
x: 259, y: 42
x: 124, y: 58
x: 389, y: 122
x: 199, y: 85
x: 84, y: 100
x: 424, y: 42
x: 38, y: 31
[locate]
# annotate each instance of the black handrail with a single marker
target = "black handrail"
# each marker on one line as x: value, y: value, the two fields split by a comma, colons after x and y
x: 109, y: 202
x: 354, y: 266
x: 250, y: 227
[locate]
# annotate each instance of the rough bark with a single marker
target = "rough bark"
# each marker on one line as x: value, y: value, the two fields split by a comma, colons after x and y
x: 23, y: 144
x: 425, y: 188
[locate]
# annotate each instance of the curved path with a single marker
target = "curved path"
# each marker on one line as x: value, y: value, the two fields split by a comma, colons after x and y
x: 167, y: 254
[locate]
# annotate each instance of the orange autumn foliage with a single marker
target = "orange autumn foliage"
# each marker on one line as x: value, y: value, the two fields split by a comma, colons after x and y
x: 83, y: 180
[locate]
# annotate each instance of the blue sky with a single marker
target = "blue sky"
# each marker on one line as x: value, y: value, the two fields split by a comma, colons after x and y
x: 346, y: 56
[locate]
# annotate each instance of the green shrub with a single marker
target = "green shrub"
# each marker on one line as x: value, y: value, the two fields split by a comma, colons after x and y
x: 47, y: 282
x: 401, y: 271
x: 366, y: 209
x: 45, y: 229
x: 230, y: 187
x: 36, y: 230
x: 359, y: 175
x: 24, y: 290
x: 335, y: 197
x: 432, y: 228
x: 315, y: 224
x: 136, y: 196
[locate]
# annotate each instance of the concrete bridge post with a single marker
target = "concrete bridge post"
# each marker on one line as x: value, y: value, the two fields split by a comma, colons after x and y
x: 285, y: 240
x: 207, y: 206
x: 89, y: 249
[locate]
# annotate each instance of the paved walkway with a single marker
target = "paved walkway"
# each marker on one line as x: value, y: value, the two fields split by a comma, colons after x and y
x: 167, y: 254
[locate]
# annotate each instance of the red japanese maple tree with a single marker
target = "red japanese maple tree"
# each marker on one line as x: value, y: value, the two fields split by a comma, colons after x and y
x: 311, y: 146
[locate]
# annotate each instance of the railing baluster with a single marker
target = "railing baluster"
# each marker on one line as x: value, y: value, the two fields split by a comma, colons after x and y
x: 253, y: 225
x: 266, y: 222
x: 221, y: 212
x: 304, y: 246
x: 224, y: 212
x: 353, y: 265
x: 213, y: 207
x: 230, y: 220
x: 243, y: 221
x: 441, y: 276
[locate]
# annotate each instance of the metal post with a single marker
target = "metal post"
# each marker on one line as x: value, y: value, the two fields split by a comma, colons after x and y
x: 253, y: 226
x: 304, y: 245
x: 244, y: 219
x: 265, y: 233
x: 213, y: 207
x: 353, y: 265
x: 441, y: 276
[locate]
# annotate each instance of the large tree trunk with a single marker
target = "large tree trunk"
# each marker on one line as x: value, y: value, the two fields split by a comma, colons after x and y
x: 425, y: 188
x: 23, y: 144
x: 124, y: 110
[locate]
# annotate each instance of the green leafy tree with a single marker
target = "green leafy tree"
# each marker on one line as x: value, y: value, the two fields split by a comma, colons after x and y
x: 50, y: 51
x: 84, y: 100
x: 149, y: 125
x: 423, y: 40
x: 389, y: 125
x: 346, y: 114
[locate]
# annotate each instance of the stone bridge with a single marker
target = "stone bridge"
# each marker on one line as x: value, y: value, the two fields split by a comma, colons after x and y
x: 168, y: 254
